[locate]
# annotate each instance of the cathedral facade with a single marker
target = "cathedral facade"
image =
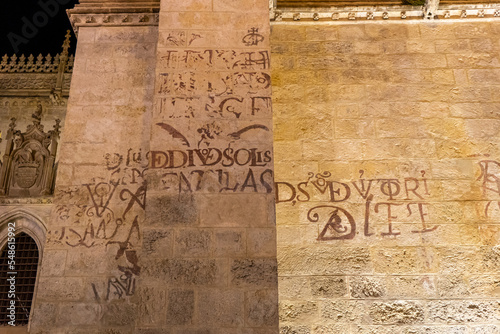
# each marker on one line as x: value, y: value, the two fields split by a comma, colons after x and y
x: 252, y: 167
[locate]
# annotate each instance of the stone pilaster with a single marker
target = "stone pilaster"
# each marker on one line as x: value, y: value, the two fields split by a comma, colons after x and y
x: 211, y: 186
x: 91, y: 264
x: 163, y: 217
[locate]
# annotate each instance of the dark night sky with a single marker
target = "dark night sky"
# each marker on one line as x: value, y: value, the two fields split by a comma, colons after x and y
x: 50, y: 33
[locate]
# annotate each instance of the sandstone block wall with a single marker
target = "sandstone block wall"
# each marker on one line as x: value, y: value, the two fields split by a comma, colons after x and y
x: 387, y: 155
x: 211, y: 188
x: 91, y: 261
x: 164, y: 219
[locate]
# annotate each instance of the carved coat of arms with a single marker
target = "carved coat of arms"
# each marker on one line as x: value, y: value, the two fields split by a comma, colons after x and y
x: 29, y: 166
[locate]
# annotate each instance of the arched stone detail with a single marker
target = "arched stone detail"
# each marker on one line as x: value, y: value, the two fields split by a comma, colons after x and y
x: 26, y: 222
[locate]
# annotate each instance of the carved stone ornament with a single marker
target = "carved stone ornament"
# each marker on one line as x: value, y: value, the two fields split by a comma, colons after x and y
x: 29, y: 167
x: 432, y: 10
x: 114, y: 19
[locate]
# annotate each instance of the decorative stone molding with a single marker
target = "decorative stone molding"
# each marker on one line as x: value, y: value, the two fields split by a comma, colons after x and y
x: 21, y: 76
x: 37, y: 200
x: 60, y: 63
x: 27, y: 102
x: 91, y: 13
x: 96, y: 20
x: 387, y: 13
x: 34, y: 85
x: 47, y: 64
x: 430, y: 9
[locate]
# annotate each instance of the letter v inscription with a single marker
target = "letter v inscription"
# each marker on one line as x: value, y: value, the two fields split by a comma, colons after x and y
x: 101, y: 187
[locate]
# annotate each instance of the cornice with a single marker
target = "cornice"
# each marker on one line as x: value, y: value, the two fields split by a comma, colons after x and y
x: 126, y: 19
x: 24, y: 201
x: 94, y: 13
x: 116, y: 6
x: 382, y: 13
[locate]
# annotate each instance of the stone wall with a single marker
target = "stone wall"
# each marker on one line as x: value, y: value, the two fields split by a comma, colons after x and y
x: 89, y: 273
x: 163, y: 218
x: 387, y: 155
x: 210, y: 192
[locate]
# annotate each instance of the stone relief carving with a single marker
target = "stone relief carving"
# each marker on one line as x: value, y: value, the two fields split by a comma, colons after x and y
x: 47, y: 73
x: 77, y: 19
x: 47, y: 64
x: 29, y: 166
x: 28, y: 81
x: 431, y: 10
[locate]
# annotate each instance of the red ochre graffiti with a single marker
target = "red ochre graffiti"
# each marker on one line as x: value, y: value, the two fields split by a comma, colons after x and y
x: 400, y: 198
x: 490, y: 183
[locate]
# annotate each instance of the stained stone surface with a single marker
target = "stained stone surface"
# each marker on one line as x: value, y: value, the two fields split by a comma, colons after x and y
x: 163, y: 218
x: 387, y: 160
x: 386, y: 149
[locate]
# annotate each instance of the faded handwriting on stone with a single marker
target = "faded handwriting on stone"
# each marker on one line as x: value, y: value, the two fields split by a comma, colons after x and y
x: 397, y: 195
x: 253, y: 37
x: 336, y: 228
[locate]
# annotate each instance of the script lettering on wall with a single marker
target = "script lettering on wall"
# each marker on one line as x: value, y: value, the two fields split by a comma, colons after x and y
x: 490, y: 184
x: 385, y: 200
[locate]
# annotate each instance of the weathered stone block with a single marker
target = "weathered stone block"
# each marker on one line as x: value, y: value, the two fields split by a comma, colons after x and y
x: 405, y: 260
x: 403, y: 287
x: 324, y: 260
x: 158, y: 242
x: 119, y: 314
x: 342, y: 311
x: 234, y: 211
x: 172, y: 210
x: 355, y: 128
x: 193, y: 331
x: 221, y: 308
x: 485, y: 329
x: 295, y: 330
x: 456, y: 312
x: 328, y: 287
x: 180, y: 309
x: 339, y: 47
x: 61, y: 289
x: 327, y: 329
x: 484, y: 286
x: 193, y: 243
x: 254, y: 272
x: 79, y: 314
x: 455, y: 286
x: 54, y: 262
x: 457, y: 260
x: 88, y: 262
x: 44, y: 315
x: 367, y: 287
x: 371, y: 329
x: 183, y: 271
x: 298, y: 311
x: 398, y: 312
x: 230, y: 242
x: 152, y: 331
x: 261, y: 242
x: 261, y: 308
x: 151, y: 306
x: 288, y: 33
x: 295, y: 288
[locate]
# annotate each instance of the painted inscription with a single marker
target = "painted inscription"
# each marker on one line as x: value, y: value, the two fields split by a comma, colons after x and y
x: 106, y: 215
x: 388, y: 198
x: 490, y: 184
